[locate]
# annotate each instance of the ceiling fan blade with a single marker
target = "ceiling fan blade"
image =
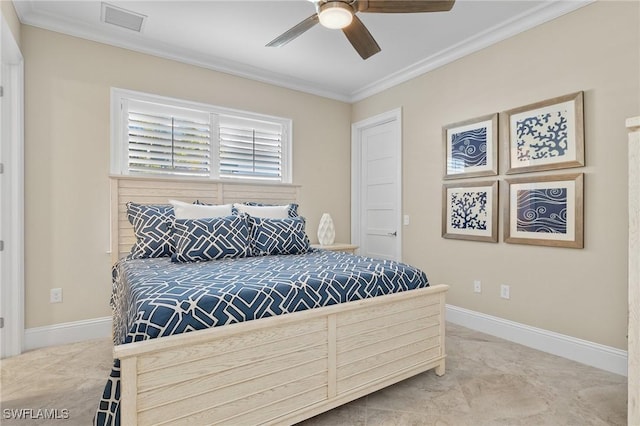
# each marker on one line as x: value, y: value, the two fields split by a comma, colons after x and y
x: 361, y: 38
x: 294, y: 32
x: 404, y: 6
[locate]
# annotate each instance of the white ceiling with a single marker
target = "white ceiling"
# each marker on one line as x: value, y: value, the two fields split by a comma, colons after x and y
x: 230, y: 36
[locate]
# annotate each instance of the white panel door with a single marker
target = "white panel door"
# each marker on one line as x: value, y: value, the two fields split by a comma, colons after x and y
x: 380, y: 188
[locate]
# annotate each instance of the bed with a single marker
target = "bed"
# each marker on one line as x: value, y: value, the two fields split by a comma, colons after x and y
x: 306, y: 333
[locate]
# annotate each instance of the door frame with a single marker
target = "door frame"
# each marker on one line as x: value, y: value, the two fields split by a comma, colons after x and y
x: 12, y: 69
x: 357, y: 129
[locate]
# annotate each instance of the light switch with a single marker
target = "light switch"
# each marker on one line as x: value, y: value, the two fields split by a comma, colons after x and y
x: 406, y: 219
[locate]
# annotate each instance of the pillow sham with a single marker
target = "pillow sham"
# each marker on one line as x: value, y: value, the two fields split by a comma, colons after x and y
x: 293, y: 207
x: 210, y: 238
x: 278, y: 236
x: 184, y: 210
x: 151, y: 228
x: 267, y: 210
x: 202, y: 203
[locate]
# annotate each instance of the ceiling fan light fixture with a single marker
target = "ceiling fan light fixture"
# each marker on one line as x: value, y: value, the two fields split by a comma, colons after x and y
x: 335, y: 15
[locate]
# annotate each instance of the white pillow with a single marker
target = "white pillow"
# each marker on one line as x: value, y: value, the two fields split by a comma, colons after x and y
x: 266, y: 212
x: 184, y: 210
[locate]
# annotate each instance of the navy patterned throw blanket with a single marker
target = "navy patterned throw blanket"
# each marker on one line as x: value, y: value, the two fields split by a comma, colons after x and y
x: 155, y: 297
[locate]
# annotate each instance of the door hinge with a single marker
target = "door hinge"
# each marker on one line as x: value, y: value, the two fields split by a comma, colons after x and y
x: 1, y: 91
x: 1, y: 168
x: 1, y: 245
x: 1, y: 322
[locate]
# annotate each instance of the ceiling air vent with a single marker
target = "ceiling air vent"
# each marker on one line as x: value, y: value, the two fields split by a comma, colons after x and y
x: 121, y: 17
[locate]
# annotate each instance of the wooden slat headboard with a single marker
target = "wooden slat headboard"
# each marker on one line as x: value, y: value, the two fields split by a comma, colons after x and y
x: 147, y: 190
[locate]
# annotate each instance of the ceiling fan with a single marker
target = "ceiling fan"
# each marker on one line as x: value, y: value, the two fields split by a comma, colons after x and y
x: 341, y: 14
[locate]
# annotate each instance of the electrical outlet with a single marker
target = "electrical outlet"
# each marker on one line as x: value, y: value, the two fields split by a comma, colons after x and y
x: 505, y: 291
x: 477, y: 286
x: 406, y: 220
x: 55, y: 296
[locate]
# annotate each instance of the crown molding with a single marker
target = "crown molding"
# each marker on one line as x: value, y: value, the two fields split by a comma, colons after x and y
x: 523, y: 22
x: 122, y: 38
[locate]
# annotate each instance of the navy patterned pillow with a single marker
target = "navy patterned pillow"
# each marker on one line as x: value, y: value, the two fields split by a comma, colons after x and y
x: 278, y: 236
x: 210, y: 238
x: 151, y: 228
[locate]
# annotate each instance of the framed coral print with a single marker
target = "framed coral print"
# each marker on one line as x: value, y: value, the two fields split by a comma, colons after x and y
x: 471, y: 147
x: 545, y: 210
x: 547, y: 135
x: 470, y: 211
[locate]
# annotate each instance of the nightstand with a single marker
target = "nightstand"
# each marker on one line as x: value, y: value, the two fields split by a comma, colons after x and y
x: 347, y: 248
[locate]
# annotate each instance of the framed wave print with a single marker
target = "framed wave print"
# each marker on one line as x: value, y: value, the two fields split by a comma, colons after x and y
x: 547, y: 135
x: 470, y: 211
x: 545, y: 210
x: 471, y: 147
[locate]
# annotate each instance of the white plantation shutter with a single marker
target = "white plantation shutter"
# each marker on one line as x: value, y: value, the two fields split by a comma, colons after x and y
x: 250, y: 148
x: 157, y: 135
x: 165, y: 140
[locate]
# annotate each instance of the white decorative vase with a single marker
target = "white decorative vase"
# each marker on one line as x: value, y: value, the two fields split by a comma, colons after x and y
x: 326, y: 231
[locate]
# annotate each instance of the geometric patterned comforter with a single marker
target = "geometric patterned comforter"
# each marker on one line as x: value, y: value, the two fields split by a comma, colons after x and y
x: 156, y: 297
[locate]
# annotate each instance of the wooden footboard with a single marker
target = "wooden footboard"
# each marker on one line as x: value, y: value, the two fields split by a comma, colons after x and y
x: 283, y: 369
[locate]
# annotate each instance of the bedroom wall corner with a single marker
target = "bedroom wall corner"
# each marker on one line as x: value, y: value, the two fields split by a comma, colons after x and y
x: 575, y: 292
x: 11, y: 17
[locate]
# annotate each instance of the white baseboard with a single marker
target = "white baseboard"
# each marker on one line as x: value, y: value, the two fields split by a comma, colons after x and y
x: 68, y: 332
x: 593, y: 354
x: 585, y: 352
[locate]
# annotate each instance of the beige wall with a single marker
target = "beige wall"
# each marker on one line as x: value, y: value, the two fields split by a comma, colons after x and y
x: 9, y: 14
x: 67, y: 82
x: 581, y: 293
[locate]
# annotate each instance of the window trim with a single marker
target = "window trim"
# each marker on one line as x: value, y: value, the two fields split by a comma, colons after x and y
x: 119, y: 131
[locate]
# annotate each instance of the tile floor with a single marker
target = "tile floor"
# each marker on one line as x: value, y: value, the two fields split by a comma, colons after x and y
x: 489, y: 381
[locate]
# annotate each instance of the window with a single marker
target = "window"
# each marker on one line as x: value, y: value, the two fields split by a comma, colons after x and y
x: 249, y: 148
x: 157, y: 135
x: 168, y: 140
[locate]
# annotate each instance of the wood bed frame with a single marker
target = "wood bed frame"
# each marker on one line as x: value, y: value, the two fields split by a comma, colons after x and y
x: 276, y: 370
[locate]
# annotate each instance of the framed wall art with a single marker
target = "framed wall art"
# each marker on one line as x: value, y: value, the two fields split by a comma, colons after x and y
x: 470, y: 211
x: 547, y: 135
x: 545, y: 210
x: 471, y: 147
